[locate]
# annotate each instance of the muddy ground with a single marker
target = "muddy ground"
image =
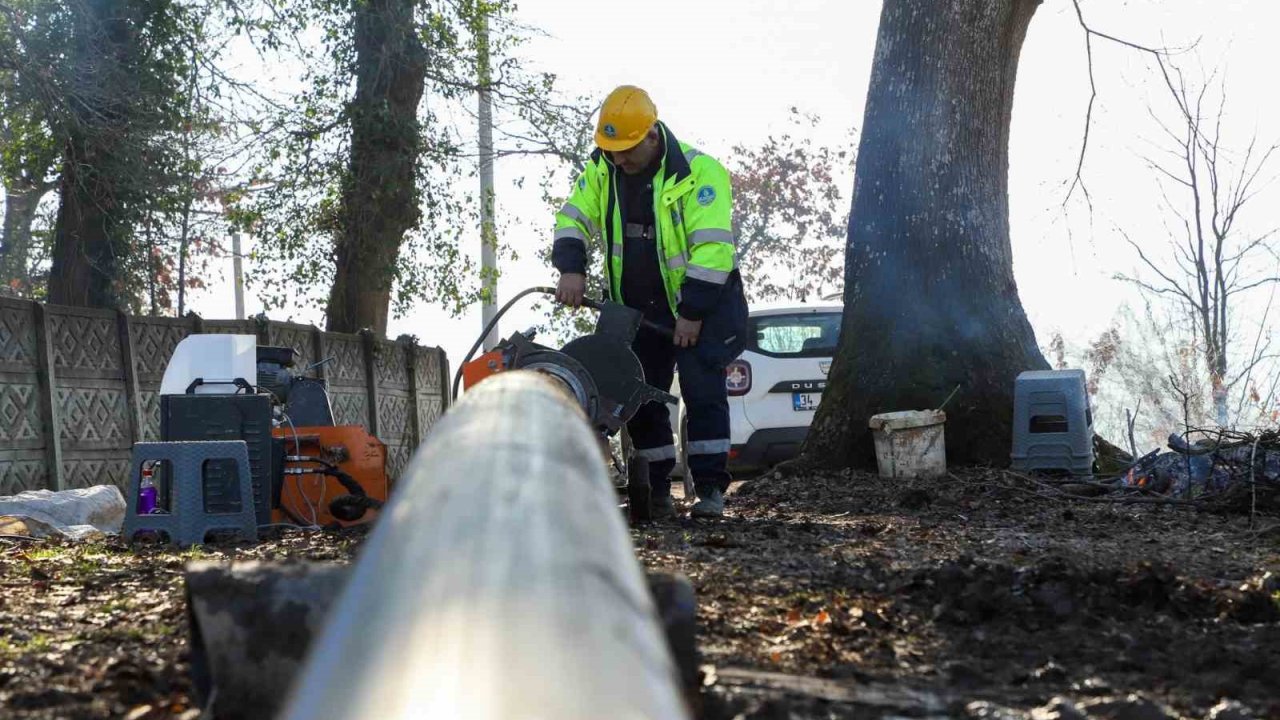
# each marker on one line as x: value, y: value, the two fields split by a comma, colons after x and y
x: 821, y: 596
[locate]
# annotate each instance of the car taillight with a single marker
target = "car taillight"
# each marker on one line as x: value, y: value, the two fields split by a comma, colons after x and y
x: 737, y: 377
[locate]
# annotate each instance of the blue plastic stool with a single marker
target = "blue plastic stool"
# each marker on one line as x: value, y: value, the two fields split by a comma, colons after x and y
x: 1052, y: 422
x: 187, y: 522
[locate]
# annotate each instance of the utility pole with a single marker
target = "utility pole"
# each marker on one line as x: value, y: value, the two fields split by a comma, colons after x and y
x: 488, y: 231
x: 237, y: 271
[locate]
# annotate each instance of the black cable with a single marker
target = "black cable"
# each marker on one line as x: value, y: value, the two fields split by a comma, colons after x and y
x: 457, y: 377
x: 586, y: 302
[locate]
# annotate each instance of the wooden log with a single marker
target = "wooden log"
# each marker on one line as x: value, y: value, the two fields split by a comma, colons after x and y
x: 500, y: 582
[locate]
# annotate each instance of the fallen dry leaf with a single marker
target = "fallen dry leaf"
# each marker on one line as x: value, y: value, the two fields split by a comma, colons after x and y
x: 934, y: 600
x: 10, y: 525
x: 142, y: 712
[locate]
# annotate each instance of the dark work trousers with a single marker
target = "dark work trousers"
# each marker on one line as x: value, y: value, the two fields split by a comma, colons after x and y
x: 702, y: 391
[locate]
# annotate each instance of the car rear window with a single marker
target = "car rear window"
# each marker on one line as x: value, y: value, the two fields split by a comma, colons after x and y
x: 797, y: 335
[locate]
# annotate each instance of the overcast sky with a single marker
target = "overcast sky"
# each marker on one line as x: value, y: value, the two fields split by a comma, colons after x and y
x: 724, y: 72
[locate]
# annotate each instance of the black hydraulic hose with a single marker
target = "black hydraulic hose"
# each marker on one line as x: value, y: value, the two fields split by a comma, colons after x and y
x: 586, y: 302
x: 348, y: 482
x: 350, y: 507
x: 344, y: 507
x: 457, y: 377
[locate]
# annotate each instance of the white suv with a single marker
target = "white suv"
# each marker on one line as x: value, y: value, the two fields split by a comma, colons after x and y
x: 776, y: 384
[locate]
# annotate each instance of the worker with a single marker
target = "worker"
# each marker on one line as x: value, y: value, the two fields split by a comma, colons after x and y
x: 661, y: 212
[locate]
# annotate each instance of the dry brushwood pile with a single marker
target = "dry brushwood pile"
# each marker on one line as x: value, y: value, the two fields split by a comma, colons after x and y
x: 1223, y: 470
x: 982, y: 595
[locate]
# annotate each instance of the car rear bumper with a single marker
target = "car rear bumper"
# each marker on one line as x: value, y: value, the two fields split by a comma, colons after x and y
x: 765, y: 448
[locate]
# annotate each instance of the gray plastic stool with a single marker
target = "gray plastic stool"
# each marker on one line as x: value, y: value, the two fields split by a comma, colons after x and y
x: 187, y: 522
x: 1052, y: 422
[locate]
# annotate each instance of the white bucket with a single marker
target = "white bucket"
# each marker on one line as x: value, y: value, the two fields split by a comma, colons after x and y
x: 910, y: 444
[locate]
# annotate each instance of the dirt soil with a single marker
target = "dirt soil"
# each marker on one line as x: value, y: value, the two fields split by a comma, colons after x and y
x: 820, y: 596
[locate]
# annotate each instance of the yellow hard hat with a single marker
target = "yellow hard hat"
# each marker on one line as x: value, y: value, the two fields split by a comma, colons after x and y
x: 625, y: 118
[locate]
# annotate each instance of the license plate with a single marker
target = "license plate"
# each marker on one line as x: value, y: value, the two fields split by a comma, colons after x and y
x: 805, y: 402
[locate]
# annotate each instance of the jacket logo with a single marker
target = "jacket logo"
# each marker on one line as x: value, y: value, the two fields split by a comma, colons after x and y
x: 706, y: 195
x: 582, y: 183
x: 609, y: 130
x: 825, y: 366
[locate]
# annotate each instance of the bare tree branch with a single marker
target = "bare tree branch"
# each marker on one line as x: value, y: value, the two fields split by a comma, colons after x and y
x: 1258, y: 350
x: 1211, y: 265
x: 1255, y: 362
x: 1256, y: 284
x: 1167, y: 173
x: 1089, y: 34
x: 1155, y: 289
x: 1172, y: 285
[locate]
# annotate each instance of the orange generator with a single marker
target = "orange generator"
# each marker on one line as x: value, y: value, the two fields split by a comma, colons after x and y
x: 326, y: 475
x: 311, y: 488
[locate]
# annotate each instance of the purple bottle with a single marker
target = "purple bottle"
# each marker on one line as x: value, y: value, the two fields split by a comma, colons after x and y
x: 146, y: 492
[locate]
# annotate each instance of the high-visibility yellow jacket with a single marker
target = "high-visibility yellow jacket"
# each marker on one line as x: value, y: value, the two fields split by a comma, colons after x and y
x: 693, y: 218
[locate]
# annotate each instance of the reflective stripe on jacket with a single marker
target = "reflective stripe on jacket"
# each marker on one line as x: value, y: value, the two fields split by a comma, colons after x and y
x: 693, y: 213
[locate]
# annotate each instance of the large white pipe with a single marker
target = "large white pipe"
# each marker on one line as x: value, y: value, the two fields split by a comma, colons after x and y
x: 499, y: 583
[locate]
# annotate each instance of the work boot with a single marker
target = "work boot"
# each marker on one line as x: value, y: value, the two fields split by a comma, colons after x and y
x: 710, y: 504
x: 661, y: 507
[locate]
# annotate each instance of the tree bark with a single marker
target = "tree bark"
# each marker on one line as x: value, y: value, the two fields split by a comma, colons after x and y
x: 379, y: 197
x: 90, y: 239
x: 87, y: 247
x: 21, y: 201
x: 930, y: 299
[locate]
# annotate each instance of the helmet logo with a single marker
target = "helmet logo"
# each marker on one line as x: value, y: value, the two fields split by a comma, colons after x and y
x: 706, y: 195
x: 609, y: 130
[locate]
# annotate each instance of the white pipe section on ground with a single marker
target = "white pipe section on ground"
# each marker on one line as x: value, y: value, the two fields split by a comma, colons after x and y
x: 499, y: 583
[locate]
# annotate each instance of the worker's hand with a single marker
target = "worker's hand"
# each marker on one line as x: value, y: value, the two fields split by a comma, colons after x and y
x: 686, y: 332
x: 571, y: 289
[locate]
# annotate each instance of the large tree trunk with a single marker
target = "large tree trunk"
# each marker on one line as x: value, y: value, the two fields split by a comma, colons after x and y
x: 90, y: 238
x: 21, y: 201
x: 87, y: 246
x: 930, y: 300
x: 379, y: 197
